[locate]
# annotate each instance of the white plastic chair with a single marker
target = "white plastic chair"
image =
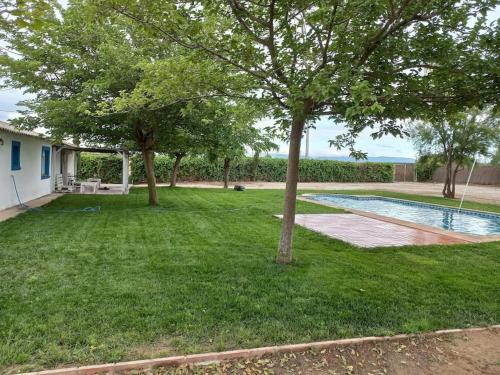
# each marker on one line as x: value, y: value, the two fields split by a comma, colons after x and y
x: 60, y: 187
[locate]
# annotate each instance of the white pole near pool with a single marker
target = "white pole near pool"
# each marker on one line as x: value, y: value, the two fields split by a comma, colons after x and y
x: 467, y: 185
x: 307, y: 144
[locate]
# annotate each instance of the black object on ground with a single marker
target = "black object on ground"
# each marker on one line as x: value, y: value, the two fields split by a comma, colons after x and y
x: 239, y: 188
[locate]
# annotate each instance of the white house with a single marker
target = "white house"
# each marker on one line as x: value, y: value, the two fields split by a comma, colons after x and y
x: 29, y: 161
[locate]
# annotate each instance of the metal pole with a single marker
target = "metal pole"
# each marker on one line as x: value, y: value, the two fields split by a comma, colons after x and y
x: 307, y: 143
x: 467, y: 185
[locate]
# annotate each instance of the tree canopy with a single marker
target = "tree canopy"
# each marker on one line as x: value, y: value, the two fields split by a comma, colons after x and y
x: 372, y: 61
x: 86, y: 73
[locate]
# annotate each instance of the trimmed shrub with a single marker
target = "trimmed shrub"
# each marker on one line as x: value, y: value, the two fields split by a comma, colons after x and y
x: 107, y: 167
x: 426, y: 165
x: 268, y: 169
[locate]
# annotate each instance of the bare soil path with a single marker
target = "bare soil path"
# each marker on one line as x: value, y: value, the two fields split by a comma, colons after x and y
x: 475, y: 352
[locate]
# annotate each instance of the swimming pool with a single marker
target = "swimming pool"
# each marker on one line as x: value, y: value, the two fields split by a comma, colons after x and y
x: 465, y: 221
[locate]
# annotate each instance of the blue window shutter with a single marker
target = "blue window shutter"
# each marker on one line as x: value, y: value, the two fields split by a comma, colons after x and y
x: 45, y: 162
x: 15, y: 162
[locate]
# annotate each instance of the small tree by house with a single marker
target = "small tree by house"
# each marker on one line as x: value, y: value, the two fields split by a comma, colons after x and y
x: 457, y: 140
x: 188, y: 139
x: 182, y: 142
x: 232, y: 132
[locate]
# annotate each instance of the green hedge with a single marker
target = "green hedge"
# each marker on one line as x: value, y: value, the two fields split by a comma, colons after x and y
x: 268, y: 169
x: 109, y: 169
x: 105, y: 166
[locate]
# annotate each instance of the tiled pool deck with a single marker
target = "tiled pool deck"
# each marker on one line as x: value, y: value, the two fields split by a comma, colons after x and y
x: 366, y: 229
x: 369, y: 232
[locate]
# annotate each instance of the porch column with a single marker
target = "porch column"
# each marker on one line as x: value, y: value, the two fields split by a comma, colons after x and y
x: 125, y: 170
x: 64, y: 166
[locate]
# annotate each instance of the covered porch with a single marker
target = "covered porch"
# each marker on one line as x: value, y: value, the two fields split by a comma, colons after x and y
x: 65, y: 171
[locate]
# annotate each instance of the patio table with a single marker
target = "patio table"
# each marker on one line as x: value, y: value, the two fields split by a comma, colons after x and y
x: 88, y: 185
x: 96, y: 180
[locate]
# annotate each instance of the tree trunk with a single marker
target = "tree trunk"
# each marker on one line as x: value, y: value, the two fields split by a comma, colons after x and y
x: 227, y: 164
x: 175, y: 169
x: 446, y: 182
x: 255, y: 165
x: 284, y: 255
x: 148, y: 156
x: 146, y: 140
x: 452, y: 185
x: 453, y: 181
x: 447, y: 192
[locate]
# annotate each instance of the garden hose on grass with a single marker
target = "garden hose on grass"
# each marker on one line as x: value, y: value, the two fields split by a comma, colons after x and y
x: 85, y: 209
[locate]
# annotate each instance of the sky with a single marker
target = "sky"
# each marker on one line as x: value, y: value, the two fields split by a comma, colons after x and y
x: 324, y: 131
x: 8, y: 100
x: 318, y: 138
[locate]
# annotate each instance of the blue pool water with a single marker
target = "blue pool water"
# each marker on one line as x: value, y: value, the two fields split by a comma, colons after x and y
x: 465, y: 221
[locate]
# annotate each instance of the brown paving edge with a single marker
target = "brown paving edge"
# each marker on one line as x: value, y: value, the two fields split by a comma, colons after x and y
x: 235, y: 354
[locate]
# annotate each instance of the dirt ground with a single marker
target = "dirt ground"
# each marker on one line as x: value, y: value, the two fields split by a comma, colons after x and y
x: 477, y: 193
x: 476, y: 352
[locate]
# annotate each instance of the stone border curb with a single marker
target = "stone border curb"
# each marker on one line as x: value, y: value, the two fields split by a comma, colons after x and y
x: 233, y: 354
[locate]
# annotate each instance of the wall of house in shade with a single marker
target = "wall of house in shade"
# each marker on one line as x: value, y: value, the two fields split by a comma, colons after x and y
x: 22, y: 156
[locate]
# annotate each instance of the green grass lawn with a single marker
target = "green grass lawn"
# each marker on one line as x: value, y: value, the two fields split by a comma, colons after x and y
x: 198, y: 274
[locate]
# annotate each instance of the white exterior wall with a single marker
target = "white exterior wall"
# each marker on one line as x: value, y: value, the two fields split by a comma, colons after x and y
x: 29, y: 180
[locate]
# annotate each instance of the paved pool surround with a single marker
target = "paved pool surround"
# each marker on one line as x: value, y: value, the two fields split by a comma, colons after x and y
x: 369, y: 230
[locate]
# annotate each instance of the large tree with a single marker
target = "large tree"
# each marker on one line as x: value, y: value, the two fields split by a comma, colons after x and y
x: 76, y: 66
x: 457, y: 141
x: 367, y: 63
